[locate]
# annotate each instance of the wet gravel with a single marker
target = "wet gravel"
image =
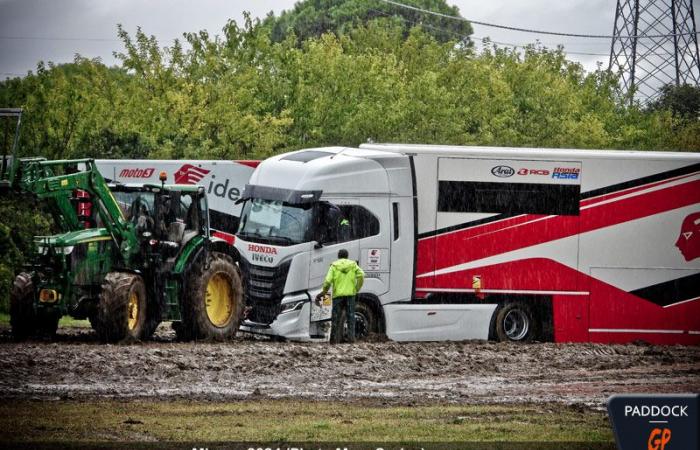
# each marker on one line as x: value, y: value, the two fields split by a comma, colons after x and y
x: 77, y: 366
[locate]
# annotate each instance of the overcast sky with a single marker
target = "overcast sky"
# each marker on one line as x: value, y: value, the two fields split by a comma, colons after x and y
x: 55, y: 30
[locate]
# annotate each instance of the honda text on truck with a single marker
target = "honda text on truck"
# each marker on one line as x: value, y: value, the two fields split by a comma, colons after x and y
x: 459, y: 243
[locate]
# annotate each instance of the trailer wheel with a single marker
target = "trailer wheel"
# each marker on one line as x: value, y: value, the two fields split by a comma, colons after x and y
x: 213, y: 303
x: 121, y: 311
x: 515, y: 323
x: 22, y: 315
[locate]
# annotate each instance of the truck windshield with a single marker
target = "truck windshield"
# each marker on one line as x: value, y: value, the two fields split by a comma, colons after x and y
x: 275, y: 222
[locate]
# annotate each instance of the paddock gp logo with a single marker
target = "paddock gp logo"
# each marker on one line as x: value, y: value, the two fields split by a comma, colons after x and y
x: 654, y: 422
x: 503, y: 171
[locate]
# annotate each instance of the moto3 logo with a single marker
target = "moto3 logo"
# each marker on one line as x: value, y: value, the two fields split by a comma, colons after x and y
x: 503, y: 171
x: 137, y: 173
x: 654, y: 422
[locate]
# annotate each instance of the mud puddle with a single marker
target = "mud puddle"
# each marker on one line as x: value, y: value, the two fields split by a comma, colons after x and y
x: 77, y: 366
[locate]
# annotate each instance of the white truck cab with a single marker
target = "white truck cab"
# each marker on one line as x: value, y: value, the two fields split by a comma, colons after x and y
x: 300, y: 209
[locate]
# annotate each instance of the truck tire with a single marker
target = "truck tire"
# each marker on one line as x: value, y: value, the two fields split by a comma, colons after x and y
x: 22, y: 315
x: 213, y: 303
x: 515, y: 323
x: 121, y: 311
x: 366, y: 320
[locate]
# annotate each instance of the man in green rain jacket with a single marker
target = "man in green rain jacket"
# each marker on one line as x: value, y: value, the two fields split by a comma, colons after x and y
x: 346, y: 278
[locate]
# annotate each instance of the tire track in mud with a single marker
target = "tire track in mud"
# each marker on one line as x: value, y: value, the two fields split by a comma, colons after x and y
x: 381, y: 372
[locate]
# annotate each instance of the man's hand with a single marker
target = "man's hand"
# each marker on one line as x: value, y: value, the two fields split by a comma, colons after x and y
x: 319, y: 297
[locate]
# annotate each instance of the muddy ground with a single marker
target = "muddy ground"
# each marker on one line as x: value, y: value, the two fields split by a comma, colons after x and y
x: 77, y: 367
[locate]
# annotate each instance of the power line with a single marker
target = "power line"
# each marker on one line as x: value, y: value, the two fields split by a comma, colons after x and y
x: 529, y: 30
x: 475, y: 38
x: 40, y: 38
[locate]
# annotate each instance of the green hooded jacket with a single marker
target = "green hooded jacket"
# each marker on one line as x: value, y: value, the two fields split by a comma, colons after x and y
x: 345, y: 276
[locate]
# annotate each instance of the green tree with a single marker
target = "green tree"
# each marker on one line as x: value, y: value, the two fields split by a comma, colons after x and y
x: 312, y: 18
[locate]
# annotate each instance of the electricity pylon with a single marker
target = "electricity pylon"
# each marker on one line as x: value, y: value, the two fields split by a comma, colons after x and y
x: 654, y: 44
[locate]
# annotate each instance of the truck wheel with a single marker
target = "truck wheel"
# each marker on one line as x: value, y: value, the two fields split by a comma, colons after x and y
x: 22, y: 315
x: 365, y: 320
x: 515, y: 323
x: 214, y: 300
x: 121, y: 312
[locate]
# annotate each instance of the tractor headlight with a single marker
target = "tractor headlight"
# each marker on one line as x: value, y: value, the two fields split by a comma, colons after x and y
x: 48, y: 296
x: 292, y: 306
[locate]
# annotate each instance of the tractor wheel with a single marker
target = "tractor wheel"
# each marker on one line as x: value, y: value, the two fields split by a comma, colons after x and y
x: 47, y: 324
x: 213, y: 302
x: 515, y: 323
x: 121, y: 311
x: 22, y: 315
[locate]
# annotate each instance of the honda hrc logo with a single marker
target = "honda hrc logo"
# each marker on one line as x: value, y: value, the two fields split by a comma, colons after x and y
x: 189, y: 174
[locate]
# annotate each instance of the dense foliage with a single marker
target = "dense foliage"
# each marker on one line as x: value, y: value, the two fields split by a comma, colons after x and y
x: 312, y: 18
x: 264, y: 88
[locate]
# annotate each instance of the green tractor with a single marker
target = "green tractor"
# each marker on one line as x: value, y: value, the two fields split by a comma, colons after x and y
x: 125, y: 257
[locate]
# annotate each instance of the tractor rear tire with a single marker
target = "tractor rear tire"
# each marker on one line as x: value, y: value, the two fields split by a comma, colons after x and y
x: 213, y: 303
x: 22, y: 314
x: 121, y: 311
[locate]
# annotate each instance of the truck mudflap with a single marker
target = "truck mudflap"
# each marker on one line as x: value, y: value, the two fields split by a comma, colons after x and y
x: 441, y: 322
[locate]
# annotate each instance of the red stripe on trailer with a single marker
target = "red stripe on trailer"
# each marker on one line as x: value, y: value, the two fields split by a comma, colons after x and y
x: 623, y: 192
x: 541, y: 229
x: 248, y: 162
x: 606, y: 314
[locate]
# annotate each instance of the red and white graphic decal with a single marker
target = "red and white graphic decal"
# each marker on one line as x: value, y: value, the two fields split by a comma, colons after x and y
x: 189, y: 174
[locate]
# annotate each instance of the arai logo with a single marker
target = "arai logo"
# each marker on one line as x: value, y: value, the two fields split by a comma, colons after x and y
x: 503, y: 171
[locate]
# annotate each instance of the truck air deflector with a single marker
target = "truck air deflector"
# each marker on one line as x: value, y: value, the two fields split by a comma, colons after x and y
x: 307, y: 156
x: 290, y: 196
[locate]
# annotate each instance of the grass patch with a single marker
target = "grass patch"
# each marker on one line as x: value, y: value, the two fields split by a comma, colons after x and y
x: 289, y: 420
x: 66, y: 321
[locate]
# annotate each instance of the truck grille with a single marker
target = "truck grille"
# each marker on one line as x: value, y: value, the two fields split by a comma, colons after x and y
x: 264, y: 288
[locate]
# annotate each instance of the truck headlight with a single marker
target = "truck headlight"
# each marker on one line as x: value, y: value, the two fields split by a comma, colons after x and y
x: 292, y: 306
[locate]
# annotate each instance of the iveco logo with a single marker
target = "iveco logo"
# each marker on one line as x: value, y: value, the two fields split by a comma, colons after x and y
x: 503, y: 171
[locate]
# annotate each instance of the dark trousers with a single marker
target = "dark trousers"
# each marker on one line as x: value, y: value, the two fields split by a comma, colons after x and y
x: 343, y: 319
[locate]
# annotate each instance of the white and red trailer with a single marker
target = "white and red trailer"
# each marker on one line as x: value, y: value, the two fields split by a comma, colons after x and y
x: 479, y: 242
x: 223, y: 181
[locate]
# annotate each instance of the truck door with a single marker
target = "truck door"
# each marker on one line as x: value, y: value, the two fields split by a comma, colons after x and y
x: 333, y: 235
x: 334, y: 232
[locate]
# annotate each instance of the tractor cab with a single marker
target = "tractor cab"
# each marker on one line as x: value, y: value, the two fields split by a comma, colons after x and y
x: 165, y: 217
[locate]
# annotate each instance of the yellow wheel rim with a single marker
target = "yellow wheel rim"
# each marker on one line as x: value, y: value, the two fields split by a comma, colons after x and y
x: 219, y: 300
x: 133, y: 310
